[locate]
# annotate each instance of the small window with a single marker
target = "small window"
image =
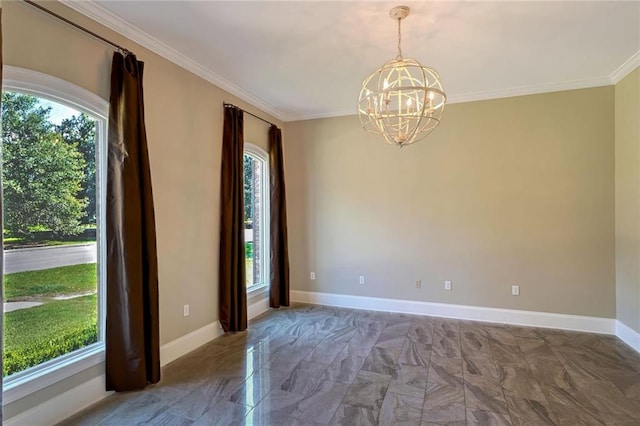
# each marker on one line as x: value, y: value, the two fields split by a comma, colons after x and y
x: 53, y: 179
x: 256, y: 216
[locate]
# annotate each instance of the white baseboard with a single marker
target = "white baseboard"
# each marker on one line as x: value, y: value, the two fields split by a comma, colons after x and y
x: 189, y: 342
x: 82, y: 396
x: 628, y: 335
x: 173, y: 350
x: 62, y: 406
x: 76, y: 399
x: 474, y: 313
x: 258, y: 308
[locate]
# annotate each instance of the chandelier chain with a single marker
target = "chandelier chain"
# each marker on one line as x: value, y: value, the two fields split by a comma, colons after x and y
x: 399, y: 57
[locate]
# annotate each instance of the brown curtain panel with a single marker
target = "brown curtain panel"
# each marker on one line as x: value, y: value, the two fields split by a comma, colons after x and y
x: 232, y: 273
x: 132, y: 333
x: 1, y: 251
x: 279, y: 286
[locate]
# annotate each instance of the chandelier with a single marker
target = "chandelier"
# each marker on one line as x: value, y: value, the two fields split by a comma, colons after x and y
x: 402, y: 100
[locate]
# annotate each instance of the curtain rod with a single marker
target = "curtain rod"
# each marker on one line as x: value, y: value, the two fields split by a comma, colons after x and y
x: 228, y: 105
x: 80, y: 27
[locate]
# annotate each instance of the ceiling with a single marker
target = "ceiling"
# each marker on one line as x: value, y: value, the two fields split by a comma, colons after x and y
x: 306, y: 59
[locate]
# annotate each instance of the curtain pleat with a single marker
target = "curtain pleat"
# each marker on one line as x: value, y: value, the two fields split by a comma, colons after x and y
x: 1, y: 251
x: 232, y: 273
x: 279, y: 285
x: 132, y: 332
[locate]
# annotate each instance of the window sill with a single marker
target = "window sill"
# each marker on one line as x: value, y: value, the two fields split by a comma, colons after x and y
x: 46, y: 374
x: 257, y: 290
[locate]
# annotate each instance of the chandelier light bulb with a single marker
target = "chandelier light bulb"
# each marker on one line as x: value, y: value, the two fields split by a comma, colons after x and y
x: 386, y: 103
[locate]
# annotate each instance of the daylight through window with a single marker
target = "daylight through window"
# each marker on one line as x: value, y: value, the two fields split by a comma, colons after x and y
x: 256, y: 221
x: 52, y: 176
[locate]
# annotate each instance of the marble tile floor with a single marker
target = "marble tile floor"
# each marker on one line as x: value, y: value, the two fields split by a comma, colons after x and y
x: 318, y: 365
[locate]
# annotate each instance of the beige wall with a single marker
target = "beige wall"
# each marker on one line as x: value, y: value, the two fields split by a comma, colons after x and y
x: 627, y: 183
x: 184, y: 126
x: 509, y: 191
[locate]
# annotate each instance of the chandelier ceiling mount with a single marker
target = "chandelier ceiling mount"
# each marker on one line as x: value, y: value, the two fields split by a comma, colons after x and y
x: 399, y: 12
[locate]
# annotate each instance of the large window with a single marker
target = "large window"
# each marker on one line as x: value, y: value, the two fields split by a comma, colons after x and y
x: 53, y: 174
x: 256, y: 216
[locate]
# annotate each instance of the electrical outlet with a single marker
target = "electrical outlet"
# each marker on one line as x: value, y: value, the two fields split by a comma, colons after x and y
x: 313, y: 276
x: 419, y: 284
x: 515, y: 290
x: 447, y: 285
x: 185, y: 310
x: 361, y: 279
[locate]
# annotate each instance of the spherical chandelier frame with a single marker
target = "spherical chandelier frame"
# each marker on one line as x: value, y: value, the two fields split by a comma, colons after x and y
x: 402, y: 101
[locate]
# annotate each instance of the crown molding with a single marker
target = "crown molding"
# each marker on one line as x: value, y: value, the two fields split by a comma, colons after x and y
x: 626, y: 68
x: 121, y: 26
x: 101, y: 15
x: 487, y: 95
x: 331, y: 114
x: 530, y: 90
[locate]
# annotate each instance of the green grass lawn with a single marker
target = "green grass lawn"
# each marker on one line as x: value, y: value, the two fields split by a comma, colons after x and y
x: 38, y: 334
x: 50, y: 282
x: 248, y: 265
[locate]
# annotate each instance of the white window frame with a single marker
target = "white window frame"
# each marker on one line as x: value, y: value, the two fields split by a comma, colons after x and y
x: 262, y: 155
x: 60, y: 91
